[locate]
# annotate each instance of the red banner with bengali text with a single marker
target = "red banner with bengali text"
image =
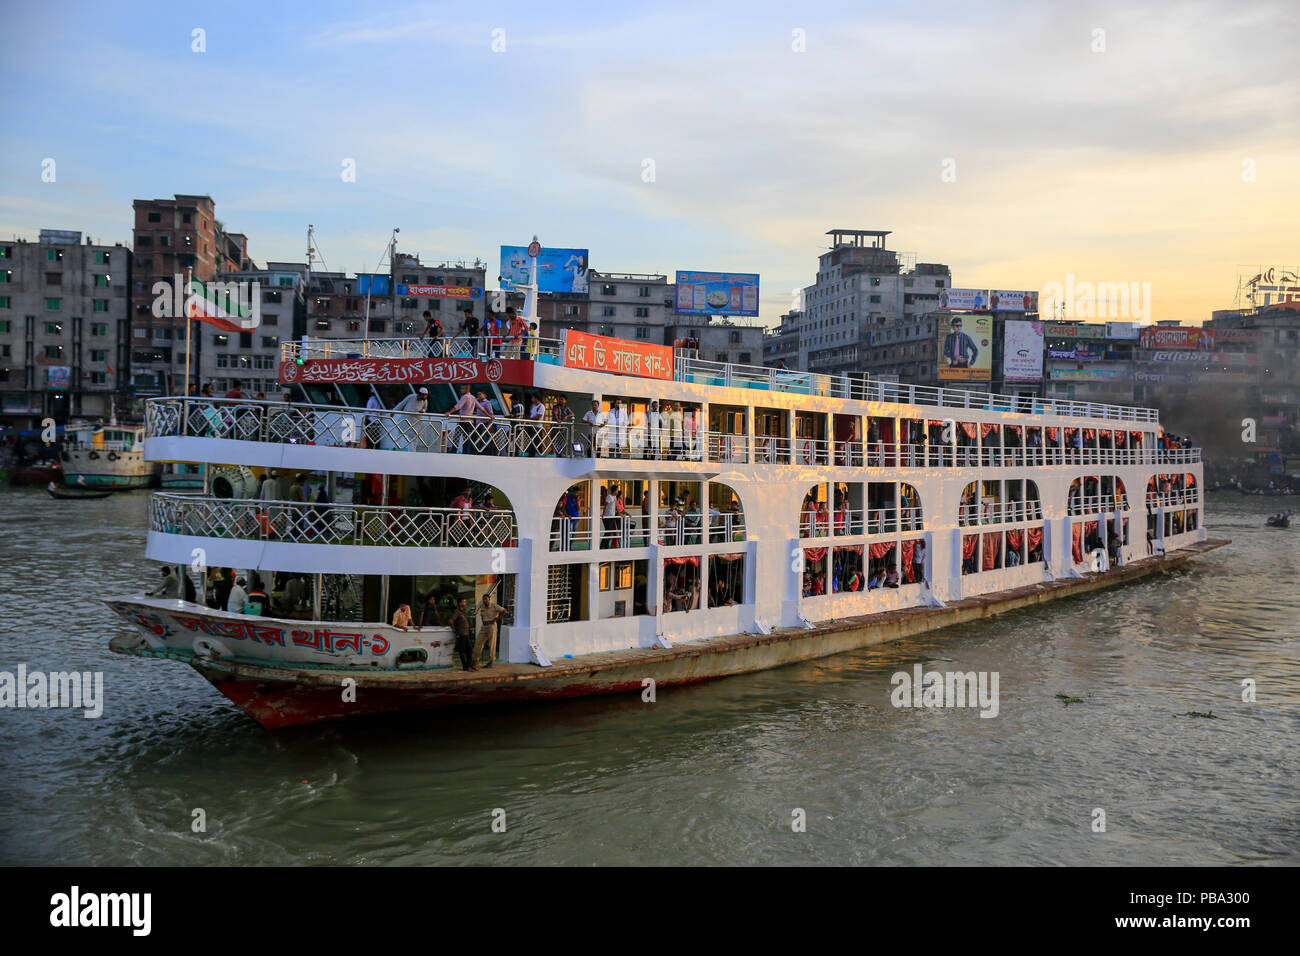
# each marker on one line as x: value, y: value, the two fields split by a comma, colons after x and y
x: 600, y: 353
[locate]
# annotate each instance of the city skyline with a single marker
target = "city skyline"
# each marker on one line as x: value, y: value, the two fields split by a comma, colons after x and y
x: 682, y: 139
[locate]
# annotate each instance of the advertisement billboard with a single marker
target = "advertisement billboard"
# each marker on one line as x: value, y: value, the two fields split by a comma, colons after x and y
x: 1022, y: 351
x: 964, y: 299
x: 1002, y: 301
x: 601, y: 353
x: 440, y: 291
x: 1078, y: 355
x: 1161, y: 337
x: 58, y: 377
x: 558, y: 270
x: 425, y: 371
x: 1084, y: 374
x: 965, y: 348
x: 1073, y: 330
x: 1128, y: 331
x: 717, y: 293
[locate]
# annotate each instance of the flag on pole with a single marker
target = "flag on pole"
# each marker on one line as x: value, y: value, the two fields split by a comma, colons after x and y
x: 218, y: 303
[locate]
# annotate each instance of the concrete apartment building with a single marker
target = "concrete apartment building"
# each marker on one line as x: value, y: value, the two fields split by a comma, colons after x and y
x: 781, y: 344
x: 64, y: 328
x: 642, y: 307
x: 252, y: 358
x: 409, y: 310
x: 861, y: 288
x: 170, y: 237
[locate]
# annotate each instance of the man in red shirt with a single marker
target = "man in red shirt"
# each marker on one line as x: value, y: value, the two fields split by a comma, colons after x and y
x: 234, y: 390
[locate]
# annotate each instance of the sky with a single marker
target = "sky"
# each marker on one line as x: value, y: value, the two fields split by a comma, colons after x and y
x: 1022, y: 144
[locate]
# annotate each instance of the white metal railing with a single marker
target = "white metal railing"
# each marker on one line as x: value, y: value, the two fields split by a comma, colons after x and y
x: 247, y: 519
x: 999, y: 512
x: 342, y: 426
x: 1173, y: 499
x: 1095, y: 504
x: 691, y: 527
x: 688, y: 368
x: 843, y: 522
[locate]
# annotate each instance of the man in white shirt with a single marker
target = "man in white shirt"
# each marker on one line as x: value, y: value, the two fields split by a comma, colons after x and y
x: 371, y: 427
x: 674, y: 417
x: 610, y: 513
x: 655, y: 422
x: 918, y: 560
x: 465, y: 407
x: 598, y: 422
x: 618, y: 428
x: 238, y: 597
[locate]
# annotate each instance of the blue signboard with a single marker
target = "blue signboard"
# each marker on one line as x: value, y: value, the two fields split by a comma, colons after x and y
x: 717, y: 293
x: 558, y: 270
x: 373, y: 284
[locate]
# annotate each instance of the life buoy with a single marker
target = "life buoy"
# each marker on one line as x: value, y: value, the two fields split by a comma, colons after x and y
x: 205, y: 646
x: 93, y: 456
x: 112, y: 456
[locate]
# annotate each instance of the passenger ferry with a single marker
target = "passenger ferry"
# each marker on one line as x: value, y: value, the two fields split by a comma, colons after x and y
x: 107, y: 457
x: 766, y: 517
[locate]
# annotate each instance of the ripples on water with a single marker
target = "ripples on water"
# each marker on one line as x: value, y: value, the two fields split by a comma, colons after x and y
x: 709, y: 774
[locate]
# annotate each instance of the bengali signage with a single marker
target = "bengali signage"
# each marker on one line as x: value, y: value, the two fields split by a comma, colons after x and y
x: 558, y: 270
x: 965, y: 348
x: 1073, y: 330
x: 717, y: 293
x: 58, y: 377
x: 600, y: 353
x: 1217, y: 376
x: 1022, y: 351
x: 425, y: 371
x: 1084, y: 374
x: 1206, y: 358
x: 1126, y: 331
x: 1076, y: 355
x: 1236, y: 335
x: 440, y: 291
x: 1163, y: 337
x: 1002, y: 301
x: 964, y: 299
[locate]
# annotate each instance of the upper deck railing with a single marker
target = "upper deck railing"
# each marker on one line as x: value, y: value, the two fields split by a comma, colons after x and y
x: 687, y: 367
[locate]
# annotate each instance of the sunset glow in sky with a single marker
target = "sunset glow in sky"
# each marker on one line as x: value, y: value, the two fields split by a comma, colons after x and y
x: 1171, y: 155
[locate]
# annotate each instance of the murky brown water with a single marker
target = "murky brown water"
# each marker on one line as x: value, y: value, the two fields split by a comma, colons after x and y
x: 709, y: 774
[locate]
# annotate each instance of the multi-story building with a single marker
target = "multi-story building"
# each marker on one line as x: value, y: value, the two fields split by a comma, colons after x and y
x: 781, y: 344
x: 171, y: 237
x: 251, y: 358
x: 862, y: 287
x: 444, y: 275
x: 64, y: 328
x: 904, y: 349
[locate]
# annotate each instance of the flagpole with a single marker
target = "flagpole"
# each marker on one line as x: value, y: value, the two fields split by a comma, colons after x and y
x: 189, y: 277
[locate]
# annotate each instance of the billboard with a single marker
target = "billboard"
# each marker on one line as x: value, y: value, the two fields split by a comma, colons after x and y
x: 600, y: 353
x: 717, y: 293
x: 558, y: 270
x: 1073, y: 330
x: 440, y: 291
x: 368, y: 283
x: 58, y: 377
x: 1123, y: 330
x: 965, y: 348
x: 1078, y: 355
x: 964, y: 299
x: 1002, y: 301
x: 1084, y: 374
x: 1167, y: 337
x: 1022, y: 351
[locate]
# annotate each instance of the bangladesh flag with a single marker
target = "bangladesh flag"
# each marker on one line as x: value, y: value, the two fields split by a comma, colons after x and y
x: 222, y: 304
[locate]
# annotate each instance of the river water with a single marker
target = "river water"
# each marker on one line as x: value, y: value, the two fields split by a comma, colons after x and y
x: 710, y: 774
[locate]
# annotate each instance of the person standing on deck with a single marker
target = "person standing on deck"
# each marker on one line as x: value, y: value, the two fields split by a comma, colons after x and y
x: 918, y: 560
x: 655, y: 424
x: 618, y: 428
x: 489, y: 614
x: 598, y: 421
x: 238, y: 597
x: 428, y: 612
x: 170, y: 587
x: 459, y: 623
x: 675, y: 430
x: 465, y: 408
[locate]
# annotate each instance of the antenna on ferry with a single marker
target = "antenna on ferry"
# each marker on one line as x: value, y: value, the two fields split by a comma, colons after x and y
x: 530, y: 290
x: 390, y: 251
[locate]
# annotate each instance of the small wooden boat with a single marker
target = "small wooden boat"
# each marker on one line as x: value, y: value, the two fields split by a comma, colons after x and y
x: 1279, y: 521
x: 74, y: 494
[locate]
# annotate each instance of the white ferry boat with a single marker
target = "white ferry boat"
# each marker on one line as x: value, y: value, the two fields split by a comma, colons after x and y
x: 107, y: 457
x: 766, y: 517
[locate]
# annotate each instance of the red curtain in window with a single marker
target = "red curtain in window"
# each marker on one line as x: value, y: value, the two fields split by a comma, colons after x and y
x: 1014, y: 428
x: 811, y: 555
x: 934, y: 424
x: 1014, y: 538
x: 968, y: 542
x: 1136, y: 436
x: 1089, y: 528
x: 880, y: 550
x: 907, y: 549
x: 1076, y: 543
x: 730, y: 557
x: 986, y: 429
x: 854, y: 548
x: 1119, y: 438
x: 968, y: 428
x: 1052, y: 433
x: 1090, y: 434
x: 992, y: 546
x: 1035, y: 537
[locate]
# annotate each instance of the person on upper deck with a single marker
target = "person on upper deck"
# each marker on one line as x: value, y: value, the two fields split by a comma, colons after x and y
x: 169, y: 588
x: 402, y: 617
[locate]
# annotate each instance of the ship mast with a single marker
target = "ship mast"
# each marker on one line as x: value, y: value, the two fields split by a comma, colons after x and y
x: 391, y: 252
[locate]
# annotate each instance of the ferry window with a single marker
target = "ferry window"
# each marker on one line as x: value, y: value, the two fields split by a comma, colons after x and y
x: 604, y: 577
x: 622, y: 576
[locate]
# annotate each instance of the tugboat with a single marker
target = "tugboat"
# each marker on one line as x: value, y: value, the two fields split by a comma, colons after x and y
x: 109, y: 456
